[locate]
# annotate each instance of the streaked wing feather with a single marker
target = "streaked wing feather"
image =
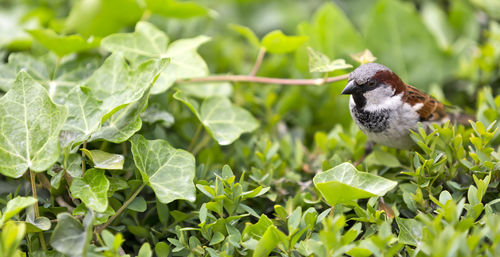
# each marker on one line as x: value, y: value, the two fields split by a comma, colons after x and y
x: 431, y: 110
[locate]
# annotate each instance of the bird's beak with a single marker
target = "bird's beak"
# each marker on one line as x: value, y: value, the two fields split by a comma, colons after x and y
x: 350, y: 88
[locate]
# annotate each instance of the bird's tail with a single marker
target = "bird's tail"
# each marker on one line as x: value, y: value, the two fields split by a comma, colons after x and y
x: 461, y: 118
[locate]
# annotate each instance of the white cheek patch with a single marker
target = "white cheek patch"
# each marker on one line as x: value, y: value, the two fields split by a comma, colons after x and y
x: 382, y: 98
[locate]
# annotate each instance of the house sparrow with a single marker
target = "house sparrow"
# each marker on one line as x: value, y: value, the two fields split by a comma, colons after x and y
x: 386, y: 109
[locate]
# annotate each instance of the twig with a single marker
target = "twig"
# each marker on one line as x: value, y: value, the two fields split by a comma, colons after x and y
x: 63, y: 203
x: 110, y: 220
x: 258, y: 62
x: 266, y: 80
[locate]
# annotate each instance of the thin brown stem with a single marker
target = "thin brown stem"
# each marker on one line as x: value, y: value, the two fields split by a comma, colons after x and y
x: 83, y: 157
x: 265, y: 80
x: 258, y: 62
x: 124, y: 148
x: 124, y: 206
x: 204, y: 141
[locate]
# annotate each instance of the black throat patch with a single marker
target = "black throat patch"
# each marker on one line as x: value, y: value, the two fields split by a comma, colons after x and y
x: 377, y: 121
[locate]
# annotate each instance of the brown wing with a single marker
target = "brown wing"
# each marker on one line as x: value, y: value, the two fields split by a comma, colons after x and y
x: 431, y: 110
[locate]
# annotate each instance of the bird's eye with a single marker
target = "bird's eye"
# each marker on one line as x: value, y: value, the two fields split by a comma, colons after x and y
x: 372, y: 83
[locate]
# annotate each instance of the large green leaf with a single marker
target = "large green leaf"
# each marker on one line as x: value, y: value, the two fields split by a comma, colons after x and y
x: 222, y: 119
x: 15, y: 206
x: 410, y: 231
x: 70, y: 237
x: 30, y: 124
x: 58, y: 77
x: 278, y: 43
x: 102, y: 17
x: 117, y: 84
x: 92, y: 189
x: 175, y: 9
x: 331, y: 33
x: 169, y: 171
x: 62, y: 45
x: 344, y: 184
x: 390, y: 33
x: 149, y: 42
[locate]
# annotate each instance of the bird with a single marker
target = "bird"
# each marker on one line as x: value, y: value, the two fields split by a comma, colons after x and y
x: 385, y: 108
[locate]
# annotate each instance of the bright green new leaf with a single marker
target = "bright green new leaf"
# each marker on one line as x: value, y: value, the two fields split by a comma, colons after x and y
x: 410, y: 231
x: 318, y: 62
x: 29, y: 128
x: 11, y: 235
x: 145, y: 251
x: 149, y: 42
x: 169, y: 171
x: 15, y: 206
x: 175, y: 9
x: 62, y: 45
x: 102, y: 17
x: 92, y: 189
x: 70, y: 237
x: 58, y: 77
x: 222, y: 119
x: 247, y: 33
x: 104, y: 160
x: 278, y: 43
x: 344, y: 184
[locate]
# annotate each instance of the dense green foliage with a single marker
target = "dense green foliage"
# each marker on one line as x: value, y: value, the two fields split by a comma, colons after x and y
x: 117, y: 138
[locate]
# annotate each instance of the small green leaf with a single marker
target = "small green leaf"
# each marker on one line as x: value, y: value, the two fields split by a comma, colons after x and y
x: 63, y: 45
x: 174, y: 9
x: 278, y: 43
x: 15, y: 206
x: 247, y: 33
x: 30, y: 127
x: 149, y: 42
x: 145, y: 251
x: 318, y: 62
x: 92, y: 189
x: 104, y: 160
x: 162, y: 249
x: 378, y: 157
x: 270, y: 239
x: 169, y: 171
x: 138, y: 204
x: 222, y: 119
x: 410, y: 231
x: 11, y: 235
x: 36, y: 224
x: 70, y: 237
x: 344, y: 184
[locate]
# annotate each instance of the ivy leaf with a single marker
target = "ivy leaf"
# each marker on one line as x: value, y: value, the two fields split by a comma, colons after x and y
x: 117, y: 85
x: 92, y: 189
x: 104, y: 160
x: 318, y: 62
x: 169, y: 171
x: 30, y: 124
x: 33, y: 224
x: 59, y: 78
x: 174, y: 9
x: 62, y: 45
x: 344, y: 184
x: 84, y: 117
x: 15, y: 206
x: 364, y: 57
x: 70, y: 237
x: 124, y: 123
x: 410, y: 231
x: 154, y: 114
x: 149, y: 42
x: 278, y: 43
x: 222, y: 119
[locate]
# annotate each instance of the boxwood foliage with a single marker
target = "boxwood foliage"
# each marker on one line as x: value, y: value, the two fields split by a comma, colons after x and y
x: 216, y: 128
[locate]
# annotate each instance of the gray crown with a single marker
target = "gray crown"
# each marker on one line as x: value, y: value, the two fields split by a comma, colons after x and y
x: 365, y: 72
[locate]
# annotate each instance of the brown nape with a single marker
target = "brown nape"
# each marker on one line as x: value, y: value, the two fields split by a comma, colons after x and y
x: 390, y: 78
